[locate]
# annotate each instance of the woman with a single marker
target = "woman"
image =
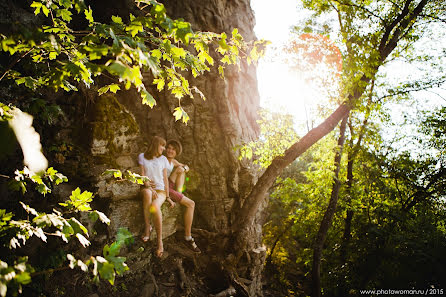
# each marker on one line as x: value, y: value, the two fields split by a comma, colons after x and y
x: 154, y: 165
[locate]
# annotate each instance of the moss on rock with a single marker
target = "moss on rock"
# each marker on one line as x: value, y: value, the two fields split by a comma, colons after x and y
x: 114, y: 129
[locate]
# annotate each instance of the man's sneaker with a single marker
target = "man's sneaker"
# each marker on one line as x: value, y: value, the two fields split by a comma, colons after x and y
x: 192, y: 245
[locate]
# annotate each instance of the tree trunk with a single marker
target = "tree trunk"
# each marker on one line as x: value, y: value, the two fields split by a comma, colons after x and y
x: 349, y: 217
x: 328, y: 216
x: 249, y: 209
x: 352, y: 153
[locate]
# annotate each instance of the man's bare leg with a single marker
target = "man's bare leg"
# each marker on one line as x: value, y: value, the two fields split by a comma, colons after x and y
x: 188, y: 215
x: 178, y: 176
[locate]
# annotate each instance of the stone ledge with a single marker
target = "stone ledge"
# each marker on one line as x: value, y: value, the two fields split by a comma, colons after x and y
x: 128, y: 214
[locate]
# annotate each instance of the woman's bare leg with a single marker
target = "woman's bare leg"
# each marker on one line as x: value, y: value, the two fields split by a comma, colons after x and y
x: 146, y: 202
x: 188, y: 215
x: 158, y: 221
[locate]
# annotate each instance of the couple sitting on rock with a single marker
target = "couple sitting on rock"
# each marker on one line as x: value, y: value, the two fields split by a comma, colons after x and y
x: 167, y: 177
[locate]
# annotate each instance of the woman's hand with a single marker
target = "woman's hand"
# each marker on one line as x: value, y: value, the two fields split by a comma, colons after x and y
x: 149, y: 184
x: 154, y: 194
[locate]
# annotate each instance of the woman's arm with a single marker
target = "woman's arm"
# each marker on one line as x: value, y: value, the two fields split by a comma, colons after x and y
x: 143, y: 173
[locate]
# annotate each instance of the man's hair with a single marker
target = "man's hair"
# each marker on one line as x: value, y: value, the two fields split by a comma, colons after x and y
x: 152, y: 150
x: 176, y: 145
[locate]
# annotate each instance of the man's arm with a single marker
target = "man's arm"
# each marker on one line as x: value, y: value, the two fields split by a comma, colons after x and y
x: 178, y: 164
x: 166, y: 187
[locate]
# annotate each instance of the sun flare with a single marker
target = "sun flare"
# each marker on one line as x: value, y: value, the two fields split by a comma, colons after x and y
x: 299, y: 77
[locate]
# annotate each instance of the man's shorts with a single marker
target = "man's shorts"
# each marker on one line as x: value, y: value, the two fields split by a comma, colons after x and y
x: 174, y: 195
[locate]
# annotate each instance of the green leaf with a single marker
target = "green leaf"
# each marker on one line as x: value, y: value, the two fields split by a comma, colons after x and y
x: 134, y: 28
x: 117, y: 20
x: 159, y: 82
x: 65, y: 14
x: 37, y: 6
x: 221, y: 71
x: 205, y: 57
x: 117, y: 174
x: 53, y: 55
x: 23, y: 278
x: 102, y: 217
x: 124, y: 236
x: 112, y: 250
x: 180, y: 113
x: 77, y: 226
x: 113, y: 88
x: 82, y: 240
x: 178, y: 52
x: 89, y: 15
x: 45, y: 10
x: 183, y: 31
x: 107, y: 271
x: 93, y: 216
x: 147, y: 98
x: 156, y: 53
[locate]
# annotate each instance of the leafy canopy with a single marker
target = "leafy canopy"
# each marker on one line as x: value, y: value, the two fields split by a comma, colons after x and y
x: 150, y: 41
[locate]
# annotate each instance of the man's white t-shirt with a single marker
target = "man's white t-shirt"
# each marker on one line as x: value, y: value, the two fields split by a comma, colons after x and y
x: 169, y: 168
x: 154, y: 169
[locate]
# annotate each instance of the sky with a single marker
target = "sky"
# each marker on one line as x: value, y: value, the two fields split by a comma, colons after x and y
x: 281, y: 89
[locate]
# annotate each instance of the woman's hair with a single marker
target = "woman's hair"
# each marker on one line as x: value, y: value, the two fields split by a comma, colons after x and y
x: 176, y: 145
x: 152, y: 150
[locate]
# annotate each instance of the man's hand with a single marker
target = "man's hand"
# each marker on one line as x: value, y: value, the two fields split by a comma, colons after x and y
x: 172, y: 204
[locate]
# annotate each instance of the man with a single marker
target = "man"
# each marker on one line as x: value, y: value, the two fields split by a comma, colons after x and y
x: 177, y: 172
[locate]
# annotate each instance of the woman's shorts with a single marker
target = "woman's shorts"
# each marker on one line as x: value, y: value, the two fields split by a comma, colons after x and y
x: 174, y: 195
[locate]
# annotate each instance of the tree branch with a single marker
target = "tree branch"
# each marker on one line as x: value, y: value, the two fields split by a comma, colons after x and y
x: 15, y: 62
x: 361, y: 8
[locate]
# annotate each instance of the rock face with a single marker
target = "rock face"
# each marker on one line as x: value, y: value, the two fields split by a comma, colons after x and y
x: 217, y: 180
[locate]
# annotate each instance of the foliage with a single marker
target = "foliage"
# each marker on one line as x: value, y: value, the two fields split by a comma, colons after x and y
x: 126, y: 176
x: 298, y: 198
x: 64, y: 57
x: 276, y: 135
x: 110, y: 264
x: 61, y: 223
x: 43, y: 180
x: 398, y: 225
x: 368, y: 35
x: 434, y: 126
